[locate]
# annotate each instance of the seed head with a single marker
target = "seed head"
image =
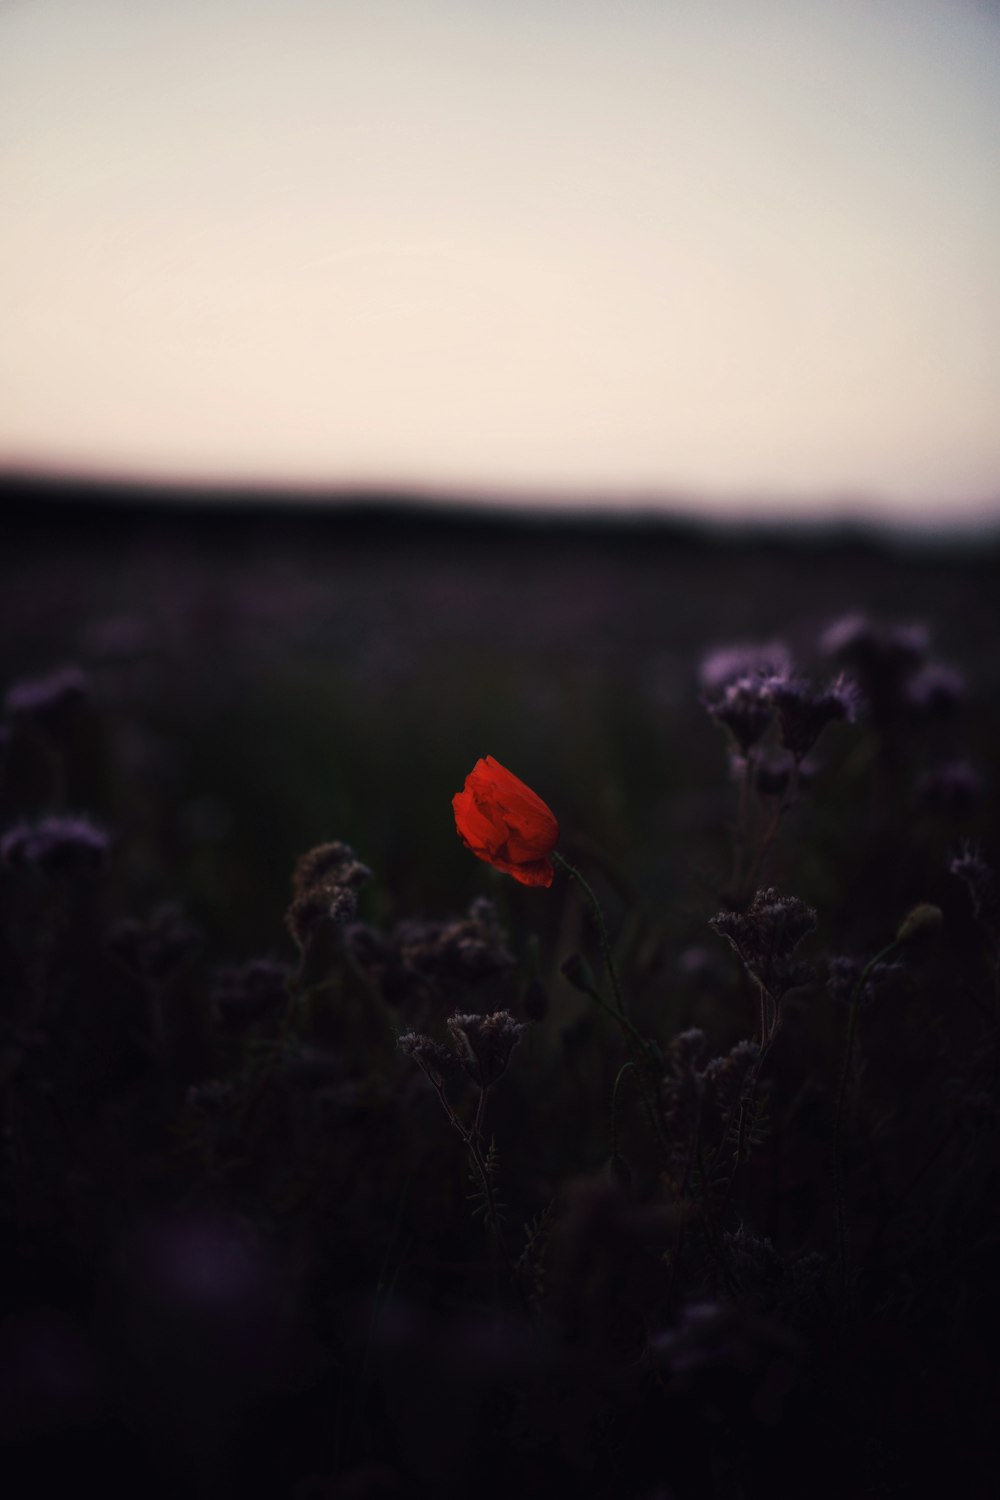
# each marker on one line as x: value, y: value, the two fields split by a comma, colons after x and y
x: 438, y: 1062
x: 484, y: 1044
x: 325, y: 886
x: 766, y: 935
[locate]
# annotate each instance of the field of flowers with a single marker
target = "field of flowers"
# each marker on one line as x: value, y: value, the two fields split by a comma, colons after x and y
x: 496, y: 1009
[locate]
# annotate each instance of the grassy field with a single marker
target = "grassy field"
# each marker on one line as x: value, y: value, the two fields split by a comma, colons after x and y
x: 748, y: 1235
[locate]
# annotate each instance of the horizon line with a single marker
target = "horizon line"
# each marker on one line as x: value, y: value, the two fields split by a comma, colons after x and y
x: 817, y: 512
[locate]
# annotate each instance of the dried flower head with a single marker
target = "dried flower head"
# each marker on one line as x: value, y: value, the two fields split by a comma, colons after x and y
x: 437, y: 1061
x: 844, y: 975
x: 728, y: 1074
x: 325, y: 887
x: 766, y: 935
x: 463, y: 950
x: 484, y: 1044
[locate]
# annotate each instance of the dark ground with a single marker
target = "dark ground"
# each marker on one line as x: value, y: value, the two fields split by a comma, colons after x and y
x: 238, y: 1256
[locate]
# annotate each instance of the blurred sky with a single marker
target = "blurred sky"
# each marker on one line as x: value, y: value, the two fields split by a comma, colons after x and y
x: 746, y: 250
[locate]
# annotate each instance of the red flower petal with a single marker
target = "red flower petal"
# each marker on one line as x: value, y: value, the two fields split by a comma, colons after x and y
x: 505, y: 823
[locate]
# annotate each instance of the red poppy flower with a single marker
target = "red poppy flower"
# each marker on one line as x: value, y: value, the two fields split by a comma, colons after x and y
x: 505, y: 823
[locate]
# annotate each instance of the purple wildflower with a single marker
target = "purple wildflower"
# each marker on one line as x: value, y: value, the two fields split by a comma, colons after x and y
x: 55, y: 845
x: 45, y: 699
x: 804, y: 711
x: 736, y: 684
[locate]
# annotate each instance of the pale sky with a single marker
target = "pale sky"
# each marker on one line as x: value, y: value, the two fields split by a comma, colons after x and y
x: 742, y: 250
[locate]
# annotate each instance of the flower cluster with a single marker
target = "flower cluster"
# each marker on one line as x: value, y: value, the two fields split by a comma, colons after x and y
x: 480, y: 1045
x: 325, y: 887
x: 746, y: 688
x: 766, y: 935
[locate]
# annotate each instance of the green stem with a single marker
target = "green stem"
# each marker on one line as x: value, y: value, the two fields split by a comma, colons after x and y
x: 641, y: 1049
x: 595, y: 907
x: 614, y: 1105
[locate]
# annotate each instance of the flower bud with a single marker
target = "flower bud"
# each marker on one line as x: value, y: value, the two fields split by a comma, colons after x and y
x: 579, y: 973
x: 921, y: 922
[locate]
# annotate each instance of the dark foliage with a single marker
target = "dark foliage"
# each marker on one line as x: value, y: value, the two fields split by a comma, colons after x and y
x: 393, y: 1199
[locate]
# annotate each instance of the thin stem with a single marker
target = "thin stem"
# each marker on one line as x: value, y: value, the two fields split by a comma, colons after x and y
x: 641, y: 1049
x: 685, y: 1183
x: 838, y: 1172
x: 477, y: 1128
x: 602, y: 930
x: 742, y: 835
x: 472, y: 1140
x: 614, y: 1105
x: 785, y: 802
